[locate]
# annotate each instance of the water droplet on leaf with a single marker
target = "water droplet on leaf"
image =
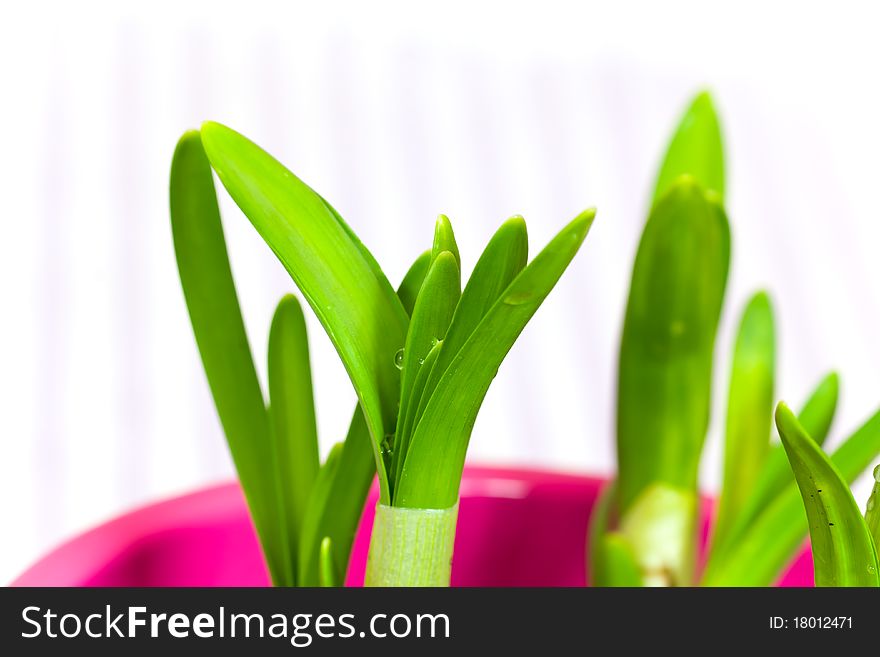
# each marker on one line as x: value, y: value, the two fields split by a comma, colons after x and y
x: 398, y: 359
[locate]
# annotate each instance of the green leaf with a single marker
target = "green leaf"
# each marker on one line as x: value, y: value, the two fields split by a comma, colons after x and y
x: 749, y: 412
x: 444, y: 240
x: 433, y: 311
x: 611, y: 559
x: 775, y: 475
x: 310, y: 534
x: 843, y: 550
x: 818, y: 412
x: 352, y: 299
x: 696, y: 149
x: 432, y: 470
x: 412, y: 282
x: 661, y: 528
x: 212, y: 303
x: 758, y: 556
x: 620, y: 567
x: 665, y: 373
x: 503, y: 258
x: 336, y: 512
x: 328, y: 568
x: 406, y: 424
x: 600, y: 525
x: 872, y: 513
x: 292, y: 414
x: 341, y: 507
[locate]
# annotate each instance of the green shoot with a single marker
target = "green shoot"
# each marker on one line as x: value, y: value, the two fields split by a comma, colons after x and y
x: 419, y: 381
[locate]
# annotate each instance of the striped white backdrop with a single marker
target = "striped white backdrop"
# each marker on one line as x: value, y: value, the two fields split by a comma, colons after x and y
x: 396, y: 114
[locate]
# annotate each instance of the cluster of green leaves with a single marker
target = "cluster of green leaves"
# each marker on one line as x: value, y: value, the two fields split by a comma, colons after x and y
x: 645, y: 532
x: 305, y: 514
x: 419, y: 380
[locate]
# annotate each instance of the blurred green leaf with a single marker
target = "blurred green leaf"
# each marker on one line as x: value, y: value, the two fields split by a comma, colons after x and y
x: 775, y: 475
x: 817, y: 413
x: 620, y: 567
x: 843, y: 550
x: 212, y: 303
x: 872, y: 513
x: 343, y: 284
x: 601, y: 519
x: 696, y: 149
x: 611, y: 560
x: 661, y: 528
x: 749, y: 412
x: 431, y: 473
x: 328, y: 568
x: 665, y: 372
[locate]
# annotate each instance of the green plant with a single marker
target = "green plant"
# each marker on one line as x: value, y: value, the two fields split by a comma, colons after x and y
x: 420, y: 380
x: 843, y: 542
x: 645, y: 529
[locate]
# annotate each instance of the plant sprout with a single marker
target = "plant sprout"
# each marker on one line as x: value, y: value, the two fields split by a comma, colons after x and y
x: 644, y: 531
x: 420, y: 359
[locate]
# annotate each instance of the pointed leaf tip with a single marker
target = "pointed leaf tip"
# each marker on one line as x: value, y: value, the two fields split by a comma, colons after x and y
x: 843, y: 549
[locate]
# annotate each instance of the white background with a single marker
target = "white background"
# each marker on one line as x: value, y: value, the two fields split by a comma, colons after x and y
x: 396, y: 113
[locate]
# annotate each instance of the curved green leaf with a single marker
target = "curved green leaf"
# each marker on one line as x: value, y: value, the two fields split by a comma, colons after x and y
x: 749, y: 412
x: 665, y: 372
x: 211, y: 300
x: 412, y: 282
x: 431, y: 473
x: 433, y: 311
x: 503, y: 258
x: 292, y: 414
x: 757, y: 557
x: 696, y: 149
x: 843, y: 550
x: 352, y: 299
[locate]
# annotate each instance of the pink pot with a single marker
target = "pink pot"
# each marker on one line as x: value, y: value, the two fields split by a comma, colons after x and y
x: 515, y: 528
